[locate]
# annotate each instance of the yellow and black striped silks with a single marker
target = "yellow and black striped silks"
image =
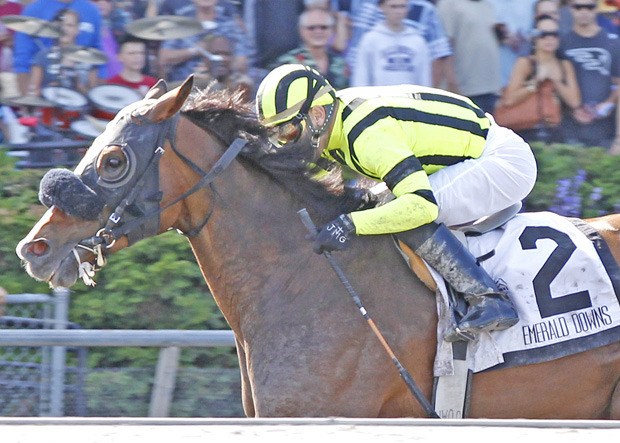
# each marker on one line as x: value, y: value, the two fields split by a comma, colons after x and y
x: 401, y: 134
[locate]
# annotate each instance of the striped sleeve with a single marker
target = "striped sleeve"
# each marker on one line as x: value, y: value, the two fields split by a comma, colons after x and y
x: 403, y: 173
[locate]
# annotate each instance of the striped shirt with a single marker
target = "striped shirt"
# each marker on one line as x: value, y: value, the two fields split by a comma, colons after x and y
x: 400, y: 135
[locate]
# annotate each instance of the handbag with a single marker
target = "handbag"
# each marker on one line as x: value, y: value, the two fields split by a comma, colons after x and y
x: 542, y: 108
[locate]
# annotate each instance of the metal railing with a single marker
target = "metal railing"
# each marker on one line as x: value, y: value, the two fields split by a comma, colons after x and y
x: 59, y: 338
x: 48, y: 154
x: 161, y: 338
x: 170, y: 342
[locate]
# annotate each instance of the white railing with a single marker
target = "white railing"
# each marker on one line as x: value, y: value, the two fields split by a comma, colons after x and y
x: 161, y: 338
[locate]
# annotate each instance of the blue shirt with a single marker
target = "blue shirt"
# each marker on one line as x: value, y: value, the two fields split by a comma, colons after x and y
x: 26, y: 47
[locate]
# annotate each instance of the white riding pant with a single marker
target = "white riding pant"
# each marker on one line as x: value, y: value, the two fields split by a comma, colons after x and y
x: 504, y: 174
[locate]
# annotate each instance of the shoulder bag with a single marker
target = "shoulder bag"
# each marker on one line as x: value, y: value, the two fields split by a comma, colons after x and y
x: 541, y: 108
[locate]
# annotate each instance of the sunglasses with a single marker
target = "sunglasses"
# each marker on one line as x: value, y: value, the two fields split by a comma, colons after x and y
x: 579, y: 7
x: 289, y: 132
x: 543, y: 34
x: 318, y: 27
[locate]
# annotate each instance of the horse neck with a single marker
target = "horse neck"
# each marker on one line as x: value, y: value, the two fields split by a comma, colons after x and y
x: 254, y: 244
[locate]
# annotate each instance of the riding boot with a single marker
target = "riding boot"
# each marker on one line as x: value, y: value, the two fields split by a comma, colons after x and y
x: 489, y: 309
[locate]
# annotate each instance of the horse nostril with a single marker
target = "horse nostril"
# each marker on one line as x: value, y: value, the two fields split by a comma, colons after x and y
x: 38, y: 248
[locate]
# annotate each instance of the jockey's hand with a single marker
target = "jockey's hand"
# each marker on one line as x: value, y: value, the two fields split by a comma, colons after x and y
x: 334, y: 236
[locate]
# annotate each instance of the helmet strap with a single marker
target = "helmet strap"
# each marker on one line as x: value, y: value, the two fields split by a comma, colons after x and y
x: 316, y: 133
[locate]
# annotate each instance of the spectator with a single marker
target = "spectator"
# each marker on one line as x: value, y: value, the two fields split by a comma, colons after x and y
x: 606, y: 21
x: 548, y: 7
x: 176, y: 7
x: 27, y: 46
x: 132, y: 55
x: 116, y: 19
x: 422, y: 16
x: 138, y: 9
x: 316, y: 28
x: 181, y: 56
x: 218, y: 74
x: 8, y: 80
x: 186, y: 8
x: 109, y: 44
x: 544, y: 64
x: 515, y: 19
x: 392, y: 53
x: 476, y: 53
x: 55, y: 67
x: 595, y: 55
x: 261, y: 17
x: 340, y: 40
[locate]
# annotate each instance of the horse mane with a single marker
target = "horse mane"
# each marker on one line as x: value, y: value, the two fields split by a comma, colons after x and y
x: 225, y: 114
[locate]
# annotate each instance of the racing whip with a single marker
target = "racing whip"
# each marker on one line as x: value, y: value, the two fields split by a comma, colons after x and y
x: 405, y: 375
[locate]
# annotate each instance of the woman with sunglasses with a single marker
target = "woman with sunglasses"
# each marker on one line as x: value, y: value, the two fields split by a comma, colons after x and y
x: 444, y: 159
x: 543, y: 64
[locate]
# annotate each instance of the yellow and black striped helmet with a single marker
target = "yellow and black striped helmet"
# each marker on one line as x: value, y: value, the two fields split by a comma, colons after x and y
x: 290, y: 90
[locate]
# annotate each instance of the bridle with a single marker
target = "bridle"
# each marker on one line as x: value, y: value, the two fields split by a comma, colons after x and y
x: 122, y: 222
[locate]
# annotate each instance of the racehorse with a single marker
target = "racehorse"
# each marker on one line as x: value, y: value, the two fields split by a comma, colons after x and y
x: 303, y: 349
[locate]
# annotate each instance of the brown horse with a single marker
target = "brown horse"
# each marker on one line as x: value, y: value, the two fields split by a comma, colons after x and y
x: 303, y: 348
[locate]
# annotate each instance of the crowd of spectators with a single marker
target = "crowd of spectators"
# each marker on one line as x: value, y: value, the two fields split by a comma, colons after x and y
x: 477, y: 48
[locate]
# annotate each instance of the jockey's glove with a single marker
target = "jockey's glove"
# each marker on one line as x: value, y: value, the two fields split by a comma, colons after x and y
x: 335, y: 235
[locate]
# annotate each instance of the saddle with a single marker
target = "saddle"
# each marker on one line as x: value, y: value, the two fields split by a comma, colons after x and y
x: 563, y: 282
x: 477, y: 227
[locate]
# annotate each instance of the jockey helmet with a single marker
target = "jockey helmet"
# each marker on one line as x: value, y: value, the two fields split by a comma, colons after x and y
x: 289, y: 91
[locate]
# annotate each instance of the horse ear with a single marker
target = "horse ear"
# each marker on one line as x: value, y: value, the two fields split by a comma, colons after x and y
x: 157, y: 90
x: 171, y: 102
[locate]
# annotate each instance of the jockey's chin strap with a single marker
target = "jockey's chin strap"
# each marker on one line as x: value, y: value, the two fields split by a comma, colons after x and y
x: 316, y: 133
x: 313, y: 88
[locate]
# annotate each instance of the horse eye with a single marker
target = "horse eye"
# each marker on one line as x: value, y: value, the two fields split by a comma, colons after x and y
x: 113, y: 165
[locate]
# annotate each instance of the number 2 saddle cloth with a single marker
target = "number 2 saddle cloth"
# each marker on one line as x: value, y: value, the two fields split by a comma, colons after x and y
x: 563, y: 282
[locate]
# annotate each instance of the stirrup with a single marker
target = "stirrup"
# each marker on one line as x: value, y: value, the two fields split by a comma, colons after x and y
x: 495, y: 306
x: 453, y: 333
x: 458, y: 308
x: 489, y: 312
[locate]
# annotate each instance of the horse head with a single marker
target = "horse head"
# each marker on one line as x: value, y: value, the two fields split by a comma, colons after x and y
x: 111, y: 199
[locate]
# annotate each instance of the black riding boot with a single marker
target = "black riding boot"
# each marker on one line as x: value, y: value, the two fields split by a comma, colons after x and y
x: 489, y: 308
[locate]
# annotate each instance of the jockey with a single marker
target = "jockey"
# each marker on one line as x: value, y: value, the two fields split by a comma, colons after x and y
x: 444, y: 159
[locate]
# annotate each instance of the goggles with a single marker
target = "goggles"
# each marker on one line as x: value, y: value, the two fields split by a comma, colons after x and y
x: 288, y: 132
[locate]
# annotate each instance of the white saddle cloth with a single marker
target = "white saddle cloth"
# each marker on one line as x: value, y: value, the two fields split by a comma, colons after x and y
x: 555, y: 278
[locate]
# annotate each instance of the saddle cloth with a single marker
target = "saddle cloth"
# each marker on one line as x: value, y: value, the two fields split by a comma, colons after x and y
x: 565, y: 289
